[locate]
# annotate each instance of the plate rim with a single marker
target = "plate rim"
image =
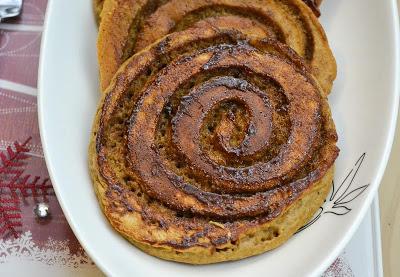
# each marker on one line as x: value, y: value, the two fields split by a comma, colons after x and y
x: 375, y: 183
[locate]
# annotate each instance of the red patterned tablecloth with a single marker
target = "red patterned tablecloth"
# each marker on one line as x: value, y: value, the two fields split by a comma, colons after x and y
x: 48, y: 247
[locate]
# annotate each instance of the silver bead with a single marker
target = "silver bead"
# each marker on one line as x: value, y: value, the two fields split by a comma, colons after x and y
x: 41, y: 210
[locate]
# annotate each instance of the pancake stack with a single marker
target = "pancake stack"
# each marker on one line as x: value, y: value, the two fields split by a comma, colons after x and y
x: 213, y: 139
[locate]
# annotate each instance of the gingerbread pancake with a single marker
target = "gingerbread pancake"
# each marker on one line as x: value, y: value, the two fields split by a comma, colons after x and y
x: 211, y: 146
x: 313, y: 4
x: 129, y: 26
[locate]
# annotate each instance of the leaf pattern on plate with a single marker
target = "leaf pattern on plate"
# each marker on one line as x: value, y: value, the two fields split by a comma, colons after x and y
x: 341, y: 196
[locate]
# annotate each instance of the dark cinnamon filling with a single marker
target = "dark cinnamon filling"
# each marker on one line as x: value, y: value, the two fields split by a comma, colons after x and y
x: 271, y: 28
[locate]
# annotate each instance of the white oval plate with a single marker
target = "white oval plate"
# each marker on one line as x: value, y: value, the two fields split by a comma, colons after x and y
x: 364, y: 38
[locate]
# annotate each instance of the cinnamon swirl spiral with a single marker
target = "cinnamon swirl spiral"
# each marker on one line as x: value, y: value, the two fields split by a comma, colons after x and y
x: 130, y: 26
x: 211, y: 146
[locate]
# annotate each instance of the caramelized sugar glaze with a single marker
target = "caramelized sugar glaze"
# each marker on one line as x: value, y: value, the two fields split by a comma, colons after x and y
x: 211, y: 145
x: 129, y: 26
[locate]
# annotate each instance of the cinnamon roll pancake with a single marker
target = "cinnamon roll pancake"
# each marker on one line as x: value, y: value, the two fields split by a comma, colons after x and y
x: 129, y: 26
x: 211, y: 146
x: 313, y: 4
